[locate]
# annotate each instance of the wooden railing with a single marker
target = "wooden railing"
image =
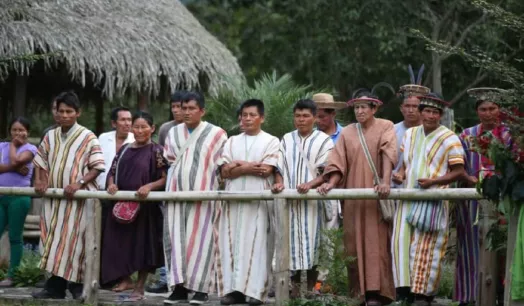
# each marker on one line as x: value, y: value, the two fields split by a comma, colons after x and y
x: 91, y: 281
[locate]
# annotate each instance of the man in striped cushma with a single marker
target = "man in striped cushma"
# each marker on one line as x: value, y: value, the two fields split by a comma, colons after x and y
x: 409, y: 109
x: 69, y: 157
x: 468, y: 240
x: 244, y: 229
x: 302, y: 157
x: 433, y: 158
x: 192, y: 150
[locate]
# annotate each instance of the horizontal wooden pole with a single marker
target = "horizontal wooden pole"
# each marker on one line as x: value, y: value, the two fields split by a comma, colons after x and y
x: 402, y: 194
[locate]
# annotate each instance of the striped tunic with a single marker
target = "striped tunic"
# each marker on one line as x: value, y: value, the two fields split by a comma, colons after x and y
x: 244, y: 230
x: 306, y: 218
x: 468, y: 241
x: 188, y: 226
x: 67, y: 158
x: 418, y: 254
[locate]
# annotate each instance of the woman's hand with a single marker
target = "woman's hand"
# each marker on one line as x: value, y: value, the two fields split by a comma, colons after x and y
x: 383, y: 190
x: 398, y: 178
x: 19, y: 140
x: 112, y: 189
x: 143, y: 191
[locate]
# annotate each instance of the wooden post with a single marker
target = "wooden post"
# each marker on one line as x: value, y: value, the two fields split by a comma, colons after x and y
x: 99, y: 115
x: 282, y: 255
x: 91, y: 276
x: 20, y: 95
x: 512, y: 238
x: 488, y: 269
x: 142, y: 101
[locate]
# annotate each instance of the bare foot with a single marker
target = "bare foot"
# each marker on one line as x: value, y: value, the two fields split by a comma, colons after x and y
x: 124, y: 285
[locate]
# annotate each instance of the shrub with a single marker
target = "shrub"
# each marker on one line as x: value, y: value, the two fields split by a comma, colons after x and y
x: 29, y: 272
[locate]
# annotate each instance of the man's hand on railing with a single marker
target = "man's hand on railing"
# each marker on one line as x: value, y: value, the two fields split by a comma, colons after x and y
x: 70, y: 190
x: 304, y: 188
x: 383, y: 190
x: 41, y: 187
x: 325, y: 188
x: 277, y: 188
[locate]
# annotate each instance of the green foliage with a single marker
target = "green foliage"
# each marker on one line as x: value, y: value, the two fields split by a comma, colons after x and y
x: 29, y: 272
x: 497, y: 237
x: 447, y: 281
x: 333, y: 258
x: 325, y: 300
x: 3, y: 273
x: 278, y: 93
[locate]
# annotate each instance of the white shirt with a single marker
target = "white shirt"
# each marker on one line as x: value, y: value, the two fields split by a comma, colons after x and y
x: 108, y: 145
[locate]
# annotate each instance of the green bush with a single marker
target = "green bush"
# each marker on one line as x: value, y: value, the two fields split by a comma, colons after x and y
x: 334, y: 259
x: 29, y: 272
x: 447, y: 281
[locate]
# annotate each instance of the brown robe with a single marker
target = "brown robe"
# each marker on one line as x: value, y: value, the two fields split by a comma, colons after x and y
x: 366, y: 236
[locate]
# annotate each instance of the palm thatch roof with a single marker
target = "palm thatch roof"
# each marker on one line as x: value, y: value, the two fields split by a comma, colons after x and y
x: 116, y: 44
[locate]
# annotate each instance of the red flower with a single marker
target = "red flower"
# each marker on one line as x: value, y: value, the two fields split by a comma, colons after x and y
x: 484, y: 142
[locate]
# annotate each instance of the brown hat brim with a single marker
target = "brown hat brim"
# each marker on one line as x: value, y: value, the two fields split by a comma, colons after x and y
x: 331, y: 105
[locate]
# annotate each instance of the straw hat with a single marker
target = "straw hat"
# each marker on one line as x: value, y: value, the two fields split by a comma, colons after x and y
x: 487, y: 94
x: 433, y: 100
x: 326, y: 101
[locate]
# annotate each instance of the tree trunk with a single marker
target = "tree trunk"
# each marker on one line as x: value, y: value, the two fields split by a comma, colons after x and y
x: 20, y: 95
x: 4, y: 115
x: 142, y: 102
x: 449, y: 117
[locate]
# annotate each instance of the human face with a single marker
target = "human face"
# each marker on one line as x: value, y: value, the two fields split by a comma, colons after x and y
x: 409, y: 110
x: 489, y: 114
x: 304, y: 121
x: 142, y: 131
x: 67, y: 115
x: 430, y: 118
x: 176, y: 110
x: 54, y: 111
x: 19, y: 131
x: 364, y: 112
x: 122, y: 125
x: 325, y: 120
x: 192, y: 113
x: 251, y: 120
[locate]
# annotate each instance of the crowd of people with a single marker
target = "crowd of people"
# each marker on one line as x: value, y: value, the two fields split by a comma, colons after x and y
x: 227, y: 247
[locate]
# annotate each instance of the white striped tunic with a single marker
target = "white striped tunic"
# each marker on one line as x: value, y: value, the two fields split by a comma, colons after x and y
x: 307, y: 219
x: 244, y: 230
x: 188, y: 226
x: 67, y: 158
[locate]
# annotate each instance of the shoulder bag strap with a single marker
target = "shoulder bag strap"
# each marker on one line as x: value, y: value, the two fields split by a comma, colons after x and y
x: 310, y: 166
x: 376, y: 178
x: 118, y: 162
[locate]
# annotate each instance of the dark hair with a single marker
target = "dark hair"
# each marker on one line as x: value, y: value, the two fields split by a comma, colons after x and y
x: 253, y: 102
x: 306, y: 104
x: 328, y: 110
x: 178, y: 96
x: 23, y: 121
x: 69, y: 98
x: 116, y: 110
x: 143, y: 115
x: 195, y: 96
x: 421, y: 107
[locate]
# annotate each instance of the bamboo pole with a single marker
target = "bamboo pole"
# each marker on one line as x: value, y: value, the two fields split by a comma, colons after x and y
x: 369, y: 193
x: 282, y: 255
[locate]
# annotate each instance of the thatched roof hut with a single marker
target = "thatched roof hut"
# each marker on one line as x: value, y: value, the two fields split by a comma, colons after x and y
x: 113, y: 46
